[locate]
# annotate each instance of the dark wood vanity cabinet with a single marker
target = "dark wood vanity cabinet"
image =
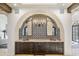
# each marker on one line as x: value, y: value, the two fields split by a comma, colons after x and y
x: 39, y: 48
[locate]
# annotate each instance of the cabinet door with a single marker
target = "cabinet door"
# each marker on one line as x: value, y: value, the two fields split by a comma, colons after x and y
x: 23, y: 48
x: 38, y: 48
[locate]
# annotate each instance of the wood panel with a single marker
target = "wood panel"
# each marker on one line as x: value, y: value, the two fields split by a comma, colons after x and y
x: 39, y: 48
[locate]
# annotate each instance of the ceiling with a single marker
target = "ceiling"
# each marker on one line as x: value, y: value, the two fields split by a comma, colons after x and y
x: 53, y: 5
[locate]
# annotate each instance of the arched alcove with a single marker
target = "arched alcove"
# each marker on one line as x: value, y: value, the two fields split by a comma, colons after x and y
x: 27, y: 17
x: 39, y: 26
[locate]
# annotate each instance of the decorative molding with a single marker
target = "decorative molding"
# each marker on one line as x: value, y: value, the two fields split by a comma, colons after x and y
x: 5, y: 7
